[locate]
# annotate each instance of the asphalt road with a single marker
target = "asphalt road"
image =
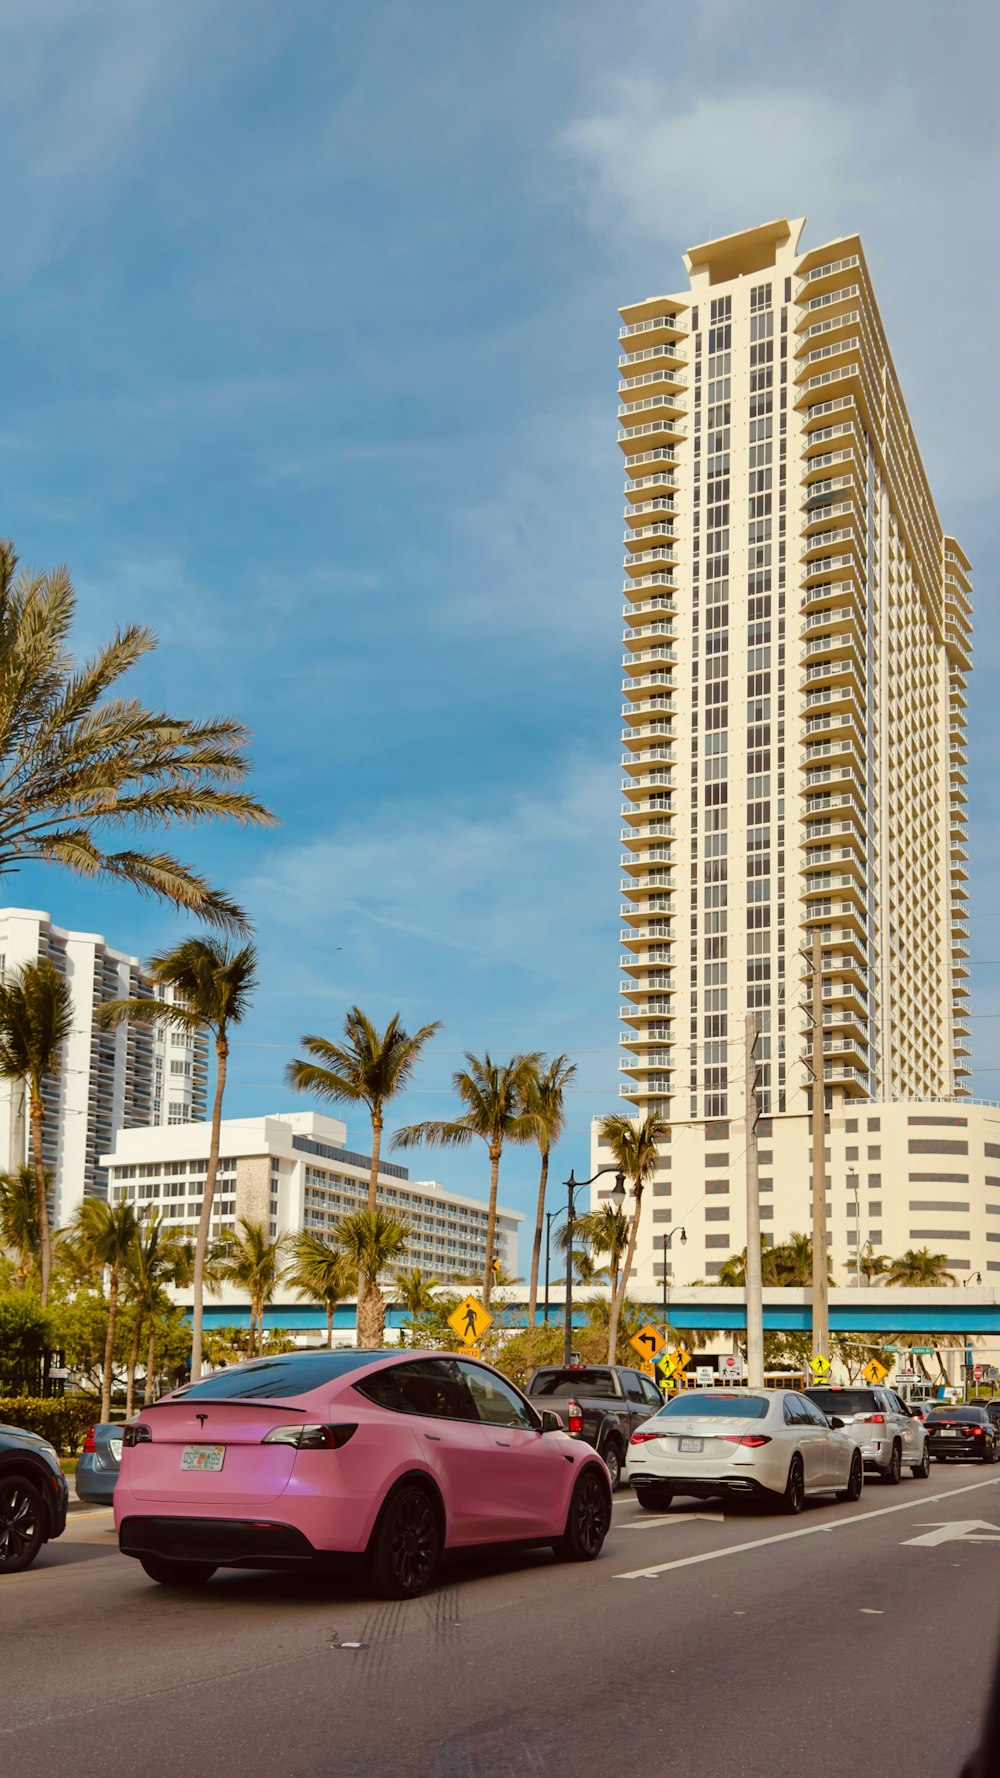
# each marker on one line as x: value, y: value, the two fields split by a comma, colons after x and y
x: 702, y: 1645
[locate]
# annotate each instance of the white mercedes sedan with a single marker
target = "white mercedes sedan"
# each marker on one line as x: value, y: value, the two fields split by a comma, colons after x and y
x: 776, y: 1445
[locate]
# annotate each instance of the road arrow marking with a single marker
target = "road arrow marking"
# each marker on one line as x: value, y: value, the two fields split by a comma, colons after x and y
x: 958, y: 1531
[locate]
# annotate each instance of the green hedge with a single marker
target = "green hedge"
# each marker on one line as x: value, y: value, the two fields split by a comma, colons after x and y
x: 63, y: 1419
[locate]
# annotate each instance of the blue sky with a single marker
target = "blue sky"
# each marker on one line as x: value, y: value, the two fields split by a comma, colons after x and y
x: 308, y: 329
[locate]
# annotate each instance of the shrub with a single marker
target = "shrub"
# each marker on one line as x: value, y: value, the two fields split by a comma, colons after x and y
x: 63, y: 1419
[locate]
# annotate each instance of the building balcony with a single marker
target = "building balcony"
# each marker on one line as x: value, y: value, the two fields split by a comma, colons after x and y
x: 660, y: 707
x: 667, y: 356
x: 652, y: 473
x: 638, y: 438
x: 643, y: 513
x: 649, y: 855
x: 665, y: 401
x: 640, y: 661
x: 658, y: 933
x: 853, y: 1080
x: 637, y: 786
x: 650, y: 732
x: 653, y: 370
x: 658, y: 535
x: 657, y: 330
x: 644, y: 631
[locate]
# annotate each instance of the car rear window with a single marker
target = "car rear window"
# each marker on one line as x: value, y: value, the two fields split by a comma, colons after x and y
x: 844, y: 1401
x: 691, y: 1405
x: 294, y: 1373
x: 973, y: 1414
x: 589, y: 1382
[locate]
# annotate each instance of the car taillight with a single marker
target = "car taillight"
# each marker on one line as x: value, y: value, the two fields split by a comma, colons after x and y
x: 139, y: 1434
x: 90, y: 1442
x: 977, y: 1431
x: 753, y: 1439
x: 643, y: 1438
x: 310, y: 1438
x: 574, y: 1416
x: 872, y: 1419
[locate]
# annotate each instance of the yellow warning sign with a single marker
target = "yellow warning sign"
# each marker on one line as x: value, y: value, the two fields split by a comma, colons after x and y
x: 470, y: 1320
x: 874, y: 1372
x: 648, y: 1341
x: 820, y: 1367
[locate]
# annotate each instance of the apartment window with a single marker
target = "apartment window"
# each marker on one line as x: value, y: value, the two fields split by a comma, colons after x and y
x: 850, y: 1154
x: 717, y: 1160
x: 715, y: 1241
x: 936, y: 1145
x: 717, y: 1213
x: 874, y: 1123
x: 715, y: 1187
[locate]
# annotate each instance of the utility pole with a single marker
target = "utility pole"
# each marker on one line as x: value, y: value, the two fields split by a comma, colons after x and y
x: 755, y: 1297
x: 820, y: 1292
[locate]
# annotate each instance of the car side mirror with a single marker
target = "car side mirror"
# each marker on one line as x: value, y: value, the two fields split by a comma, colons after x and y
x: 836, y: 1422
x: 551, y: 1422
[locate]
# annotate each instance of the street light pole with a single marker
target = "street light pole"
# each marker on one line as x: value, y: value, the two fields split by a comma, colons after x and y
x: 550, y: 1216
x: 667, y: 1238
x: 754, y: 1278
x: 573, y: 1185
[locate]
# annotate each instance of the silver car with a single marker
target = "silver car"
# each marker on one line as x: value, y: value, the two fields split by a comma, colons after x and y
x: 888, y: 1436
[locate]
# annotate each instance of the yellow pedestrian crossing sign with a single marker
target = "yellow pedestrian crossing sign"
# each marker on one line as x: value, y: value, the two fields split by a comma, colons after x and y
x: 648, y: 1341
x: 873, y: 1372
x: 820, y: 1367
x: 673, y: 1365
x: 470, y: 1320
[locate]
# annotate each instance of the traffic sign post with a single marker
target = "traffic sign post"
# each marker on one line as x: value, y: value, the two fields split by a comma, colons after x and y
x: 648, y: 1342
x: 470, y: 1320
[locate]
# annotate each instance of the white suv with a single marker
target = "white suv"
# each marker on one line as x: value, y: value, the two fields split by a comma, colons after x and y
x: 889, y: 1437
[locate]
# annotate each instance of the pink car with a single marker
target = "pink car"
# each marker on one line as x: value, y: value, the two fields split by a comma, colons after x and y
x: 340, y: 1460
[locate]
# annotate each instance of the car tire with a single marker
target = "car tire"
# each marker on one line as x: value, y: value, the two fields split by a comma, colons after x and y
x: 22, y: 1524
x: 177, y: 1574
x: 856, y: 1480
x: 654, y: 1500
x: 407, y: 1544
x: 891, y: 1475
x: 794, y: 1497
x: 922, y: 1469
x: 612, y: 1455
x: 588, y: 1520
x: 990, y: 1456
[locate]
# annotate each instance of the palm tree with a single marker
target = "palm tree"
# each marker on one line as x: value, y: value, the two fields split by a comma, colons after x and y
x: 156, y: 1257
x: 369, y: 1068
x: 545, y: 1097
x: 372, y: 1241
x: 634, y: 1147
x: 414, y: 1290
x: 19, y: 1218
x: 253, y: 1264
x: 103, y: 1235
x: 77, y: 764
x: 35, y: 1021
x: 213, y: 987
x: 918, y: 1266
x: 605, y: 1230
x: 323, y: 1273
x: 873, y: 1265
x: 495, y: 1094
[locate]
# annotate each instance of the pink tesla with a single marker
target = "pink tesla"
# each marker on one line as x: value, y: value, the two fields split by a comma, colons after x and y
x: 344, y: 1460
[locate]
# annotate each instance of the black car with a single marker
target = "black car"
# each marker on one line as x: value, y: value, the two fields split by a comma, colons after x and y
x: 34, y: 1497
x: 964, y: 1432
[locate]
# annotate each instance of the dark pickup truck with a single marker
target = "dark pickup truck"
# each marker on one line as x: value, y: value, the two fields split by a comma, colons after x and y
x: 602, y: 1404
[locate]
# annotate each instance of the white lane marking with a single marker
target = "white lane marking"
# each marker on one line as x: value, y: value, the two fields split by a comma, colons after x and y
x: 648, y: 1523
x: 958, y: 1531
x: 760, y: 1543
x: 870, y: 1611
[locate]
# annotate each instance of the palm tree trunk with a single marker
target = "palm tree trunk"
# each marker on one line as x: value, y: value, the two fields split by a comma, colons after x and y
x: 329, y: 1327
x: 536, y: 1248
x: 491, y: 1222
x: 371, y: 1317
x: 620, y: 1294
x: 133, y: 1359
x: 205, y: 1219
x: 41, y: 1191
x: 109, y: 1345
x: 147, y: 1394
x: 376, y: 1152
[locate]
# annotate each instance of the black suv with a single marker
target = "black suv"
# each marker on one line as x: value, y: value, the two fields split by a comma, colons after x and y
x: 34, y: 1497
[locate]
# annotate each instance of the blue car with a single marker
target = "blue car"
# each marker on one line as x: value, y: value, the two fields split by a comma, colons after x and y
x: 97, y: 1465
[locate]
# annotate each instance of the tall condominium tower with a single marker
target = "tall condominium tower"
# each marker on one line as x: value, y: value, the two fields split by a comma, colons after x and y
x: 109, y: 1080
x: 797, y: 639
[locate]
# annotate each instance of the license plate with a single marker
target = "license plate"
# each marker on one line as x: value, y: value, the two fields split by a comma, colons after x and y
x: 115, y: 1447
x: 948, y: 1435
x: 692, y: 1444
x: 203, y: 1456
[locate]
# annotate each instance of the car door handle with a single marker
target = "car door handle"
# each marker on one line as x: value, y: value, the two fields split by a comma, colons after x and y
x: 435, y: 1436
x: 505, y: 1443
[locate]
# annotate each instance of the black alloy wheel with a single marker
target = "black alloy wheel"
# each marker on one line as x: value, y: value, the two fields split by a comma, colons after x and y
x: 22, y: 1524
x: 588, y: 1520
x: 893, y: 1471
x: 990, y: 1451
x: 794, y: 1498
x: 922, y: 1469
x: 855, y: 1482
x: 613, y: 1458
x: 408, y: 1545
x: 176, y: 1574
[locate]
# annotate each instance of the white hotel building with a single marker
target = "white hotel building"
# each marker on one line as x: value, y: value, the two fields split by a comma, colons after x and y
x: 293, y: 1171
x: 108, y: 1080
x: 797, y: 644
